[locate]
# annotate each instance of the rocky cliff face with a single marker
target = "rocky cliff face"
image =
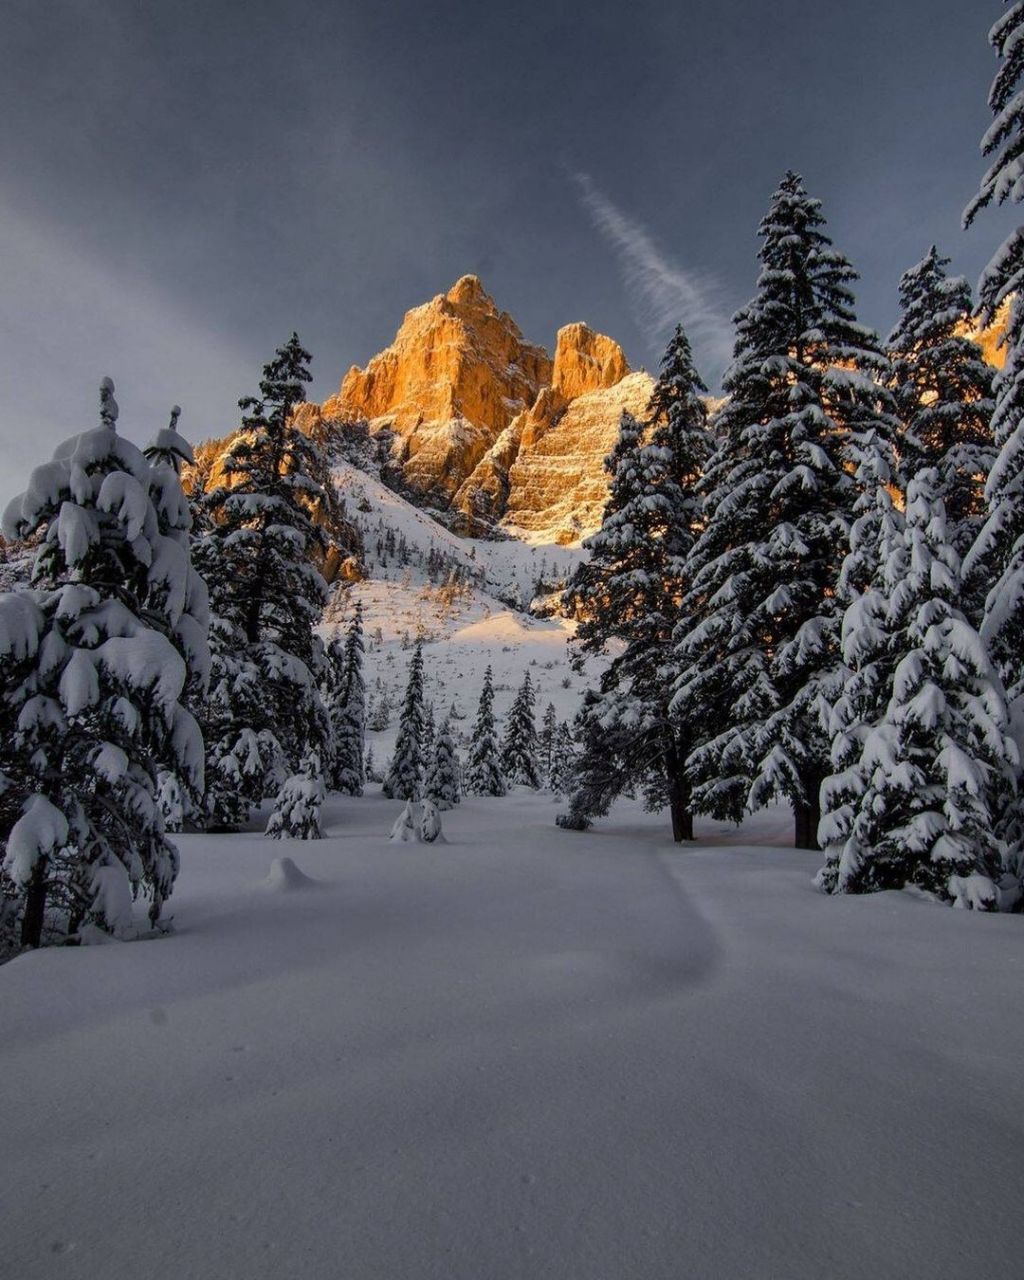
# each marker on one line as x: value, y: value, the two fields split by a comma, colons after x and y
x: 484, y: 425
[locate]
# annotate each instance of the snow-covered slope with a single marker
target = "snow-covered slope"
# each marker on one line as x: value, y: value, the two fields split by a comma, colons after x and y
x: 524, y: 1055
x: 465, y: 627
x: 507, y: 570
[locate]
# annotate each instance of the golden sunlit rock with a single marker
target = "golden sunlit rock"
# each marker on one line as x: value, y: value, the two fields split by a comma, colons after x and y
x: 990, y: 337
x: 484, y: 423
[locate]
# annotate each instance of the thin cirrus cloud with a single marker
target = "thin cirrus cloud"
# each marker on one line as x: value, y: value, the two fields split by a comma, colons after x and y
x: 661, y: 292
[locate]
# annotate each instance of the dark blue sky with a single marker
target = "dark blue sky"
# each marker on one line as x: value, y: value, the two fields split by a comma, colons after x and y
x: 186, y: 182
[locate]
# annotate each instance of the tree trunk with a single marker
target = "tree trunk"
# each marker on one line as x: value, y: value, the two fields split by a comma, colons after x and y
x: 678, y: 798
x: 682, y: 820
x: 35, y: 907
x: 807, y: 817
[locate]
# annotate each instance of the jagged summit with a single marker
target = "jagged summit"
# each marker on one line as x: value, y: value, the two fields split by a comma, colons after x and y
x: 472, y: 408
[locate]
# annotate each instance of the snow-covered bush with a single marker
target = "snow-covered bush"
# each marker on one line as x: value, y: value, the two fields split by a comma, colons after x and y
x: 170, y: 800
x: 430, y: 823
x: 405, y: 827
x: 296, y: 812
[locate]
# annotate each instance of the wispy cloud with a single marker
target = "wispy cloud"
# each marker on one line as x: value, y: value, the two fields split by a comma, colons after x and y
x: 661, y: 291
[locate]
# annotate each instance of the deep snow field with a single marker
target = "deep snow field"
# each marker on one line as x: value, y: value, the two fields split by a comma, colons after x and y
x: 526, y: 1053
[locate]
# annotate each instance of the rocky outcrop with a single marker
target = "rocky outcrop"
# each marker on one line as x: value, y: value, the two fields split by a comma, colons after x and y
x: 465, y: 401
x: 585, y: 361
x: 457, y: 373
x: 557, y: 485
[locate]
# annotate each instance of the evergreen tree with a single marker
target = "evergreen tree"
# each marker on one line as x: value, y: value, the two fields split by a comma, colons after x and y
x: 562, y: 775
x: 519, y: 743
x: 483, y: 771
x: 758, y: 646
x: 296, y: 812
x: 546, y: 740
x: 939, y: 766
x: 869, y: 647
x: 631, y: 588
x: 348, y: 714
x: 603, y: 769
x: 167, y: 453
x: 429, y: 732
x: 942, y: 387
x: 442, y: 784
x: 263, y: 525
x: 243, y: 764
x: 95, y: 662
x: 404, y: 778
x: 997, y: 557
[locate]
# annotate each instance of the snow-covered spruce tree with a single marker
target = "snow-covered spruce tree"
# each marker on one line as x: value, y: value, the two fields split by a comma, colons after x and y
x: 564, y: 765
x: 519, y: 742
x: 404, y: 778
x: 942, y: 387
x: 348, y: 715
x: 442, y: 784
x: 601, y: 773
x: 92, y: 675
x: 996, y: 560
x: 546, y: 740
x: 429, y: 733
x: 869, y: 648
x: 181, y: 593
x: 262, y: 579
x: 296, y: 812
x: 758, y: 647
x: 483, y: 775
x: 940, y: 766
x: 629, y: 592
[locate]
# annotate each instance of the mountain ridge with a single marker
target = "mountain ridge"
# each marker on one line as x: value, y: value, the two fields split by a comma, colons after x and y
x: 483, y: 425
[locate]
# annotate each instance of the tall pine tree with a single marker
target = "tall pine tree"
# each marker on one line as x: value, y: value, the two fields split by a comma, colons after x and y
x: 942, y: 387
x: 997, y: 557
x: 939, y: 766
x: 629, y: 591
x: 483, y: 770
x: 404, y: 778
x: 758, y: 648
x: 348, y: 714
x: 519, y: 744
x: 262, y: 525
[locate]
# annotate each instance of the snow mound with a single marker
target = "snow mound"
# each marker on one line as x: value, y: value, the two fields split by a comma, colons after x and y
x: 285, y: 877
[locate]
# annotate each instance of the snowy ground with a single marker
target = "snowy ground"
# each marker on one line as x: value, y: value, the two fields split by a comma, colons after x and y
x: 525, y: 1054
